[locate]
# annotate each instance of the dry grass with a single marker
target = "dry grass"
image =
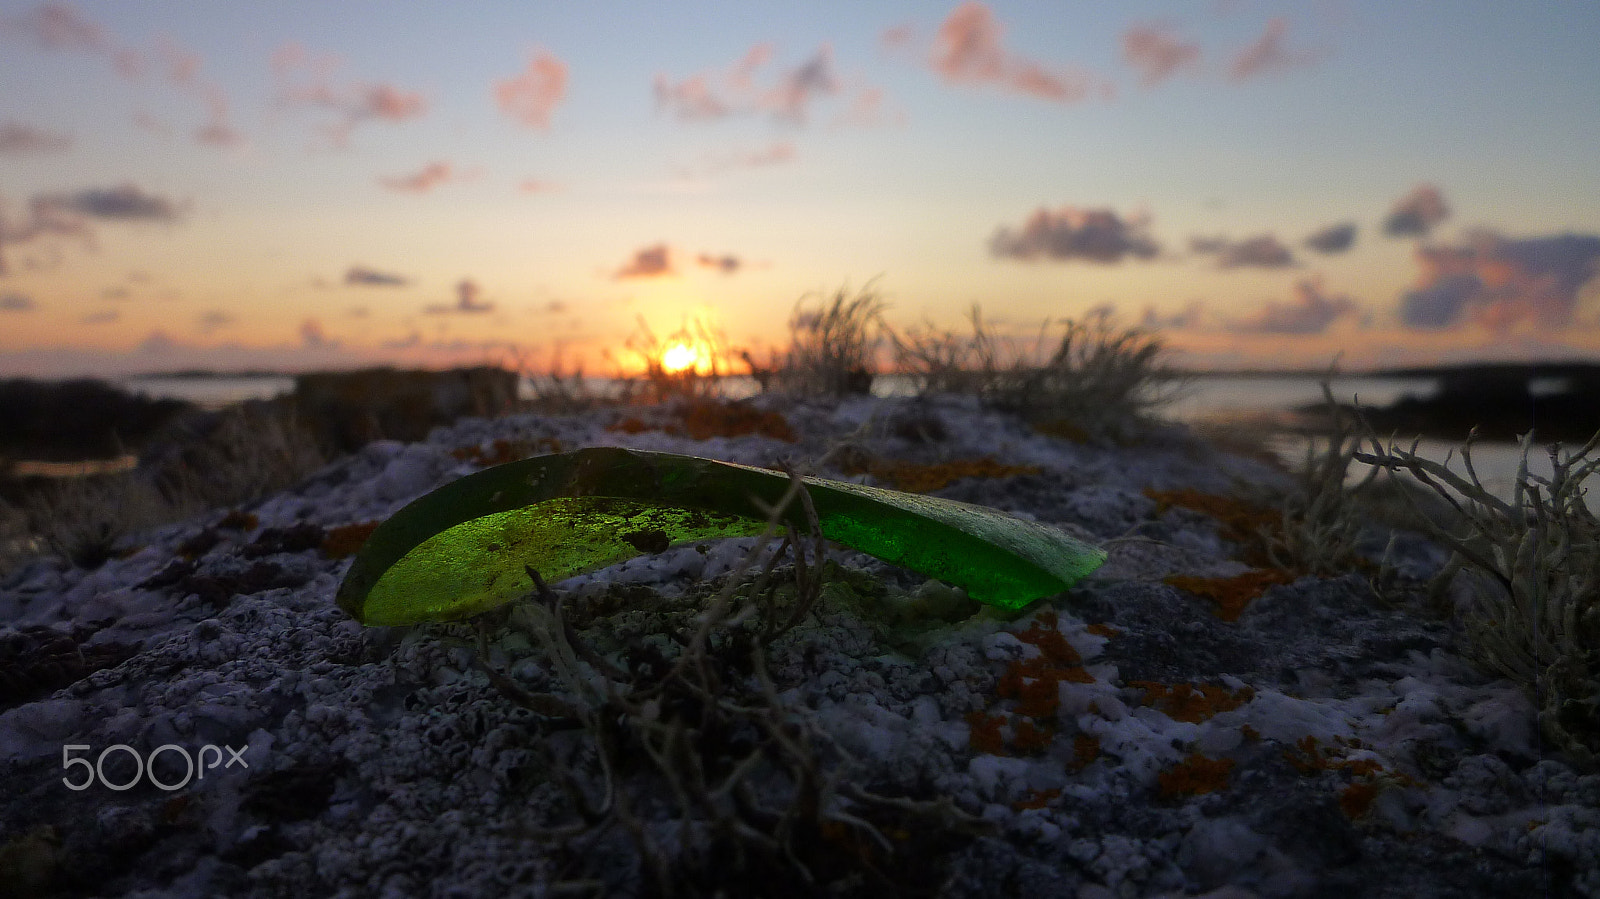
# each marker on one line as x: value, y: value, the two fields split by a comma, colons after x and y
x: 85, y: 520
x: 657, y: 384
x: 1323, y: 515
x: 251, y: 452
x: 1532, y: 566
x: 831, y: 345
x: 555, y: 391
x: 1094, y: 381
x: 254, y: 450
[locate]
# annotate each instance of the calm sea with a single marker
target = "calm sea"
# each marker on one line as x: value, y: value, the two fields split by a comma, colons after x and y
x: 1205, y: 399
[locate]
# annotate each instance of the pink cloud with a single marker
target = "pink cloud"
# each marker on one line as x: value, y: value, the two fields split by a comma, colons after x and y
x: 1269, y: 54
x: 868, y: 109
x: 1499, y: 282
x: 898, y: 37
x: 531, y: 96
x: 775, y: 153
x: 797, y: 88
x: 788, y: 96
x: 58, y: 26
x: 427, y: 178
x: 1156, y: 54
x: 306, y: 80
x: 968, y: 50
x: 17, y: 139
x: 217, y: 131
x: 1310, y: 312
x: 538, y: 186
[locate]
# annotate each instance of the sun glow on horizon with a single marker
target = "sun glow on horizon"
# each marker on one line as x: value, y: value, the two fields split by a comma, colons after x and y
x: 681, y: 356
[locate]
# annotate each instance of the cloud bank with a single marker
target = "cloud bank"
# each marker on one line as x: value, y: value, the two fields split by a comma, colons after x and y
x: 1068, y: 233
x: 1498, y: 282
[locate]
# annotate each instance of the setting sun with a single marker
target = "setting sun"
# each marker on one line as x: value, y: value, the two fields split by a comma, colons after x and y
x: 681, y: 356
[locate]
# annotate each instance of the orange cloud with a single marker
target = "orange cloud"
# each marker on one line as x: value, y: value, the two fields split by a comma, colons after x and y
x: 651, y: 262
x: 531, y: 96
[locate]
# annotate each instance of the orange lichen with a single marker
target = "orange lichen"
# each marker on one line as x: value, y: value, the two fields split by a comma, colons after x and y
x: 631, y: 425
x: 1356, y: 799
x: 1035, y: 799
x: 914, y: 477
x: 1195, y: 775
x: 1250, y: 525
x: 1034, y: 682
x: 1231, y: 594
x: 1250, y: 733
x: 1085, y: 749
x: 704, y: 420
x: 236, y: 520
x: 347, y: 540
x: 1190, y: 703
x: 1065, y: 429
x: 984, y: 732
x: 1309, y: 759
x: 1028, y: 738
x: 1103, y: 630
x: 502, y: 450
x: 1034, y: 686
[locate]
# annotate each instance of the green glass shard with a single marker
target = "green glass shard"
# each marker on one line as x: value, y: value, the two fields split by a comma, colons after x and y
x: 464, y: 548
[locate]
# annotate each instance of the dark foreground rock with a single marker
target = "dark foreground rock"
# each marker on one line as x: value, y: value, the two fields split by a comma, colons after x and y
x: 1118, y: 740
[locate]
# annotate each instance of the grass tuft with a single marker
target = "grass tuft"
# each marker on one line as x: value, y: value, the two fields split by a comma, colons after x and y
x: 831, y: 345
x: 1532, y: 566
x: 1093, y: 382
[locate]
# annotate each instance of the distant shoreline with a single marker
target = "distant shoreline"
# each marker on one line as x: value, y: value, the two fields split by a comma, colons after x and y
x: 1536, y: 368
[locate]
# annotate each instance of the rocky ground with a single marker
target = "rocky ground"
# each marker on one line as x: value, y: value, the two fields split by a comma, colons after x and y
x: 1182, y: 722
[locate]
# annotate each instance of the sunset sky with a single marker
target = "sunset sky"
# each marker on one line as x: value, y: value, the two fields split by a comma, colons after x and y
x: 307, y: 184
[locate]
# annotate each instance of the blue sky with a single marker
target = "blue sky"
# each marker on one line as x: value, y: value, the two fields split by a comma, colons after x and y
x: 308, y: 184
